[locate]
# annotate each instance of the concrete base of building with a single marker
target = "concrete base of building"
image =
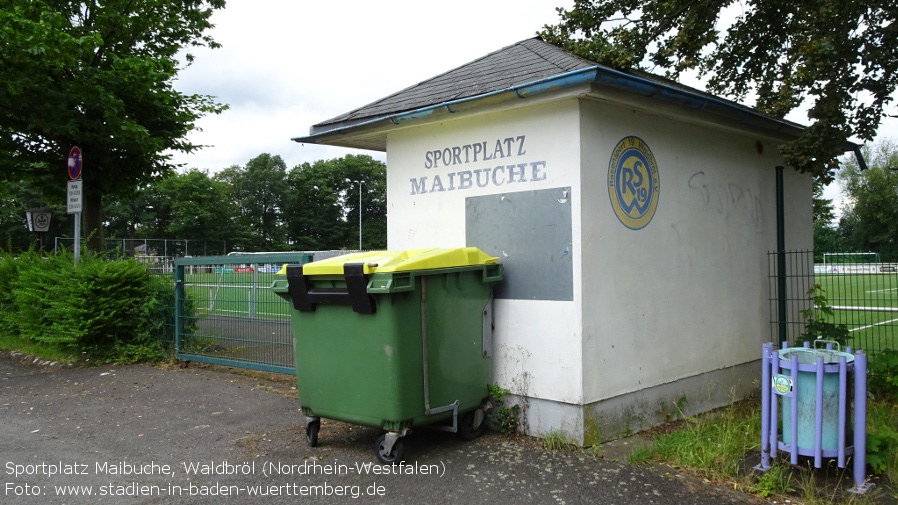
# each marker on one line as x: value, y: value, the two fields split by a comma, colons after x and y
x: 625, y: 414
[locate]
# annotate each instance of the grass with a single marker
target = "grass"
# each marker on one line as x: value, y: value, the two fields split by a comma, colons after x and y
x: 556, y: 441
x: 236, y: 294
x: 718, y: 446
x: 713, y: 444
x: 46, y: 352
x: 870, y: 328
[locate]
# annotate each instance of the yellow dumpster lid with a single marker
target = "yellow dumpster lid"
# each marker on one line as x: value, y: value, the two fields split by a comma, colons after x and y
x: 402, y: 261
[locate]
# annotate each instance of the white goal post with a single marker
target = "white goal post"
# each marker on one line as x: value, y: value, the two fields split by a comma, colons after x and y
x: 851, y: 262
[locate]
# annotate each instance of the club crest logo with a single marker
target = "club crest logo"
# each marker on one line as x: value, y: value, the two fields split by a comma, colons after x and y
x: 633, y: 183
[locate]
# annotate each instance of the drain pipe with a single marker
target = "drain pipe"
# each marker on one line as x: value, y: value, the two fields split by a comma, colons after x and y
x: 781, y: 254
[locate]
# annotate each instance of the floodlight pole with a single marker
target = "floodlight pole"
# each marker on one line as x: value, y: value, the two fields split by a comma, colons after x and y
x: 360, y: 182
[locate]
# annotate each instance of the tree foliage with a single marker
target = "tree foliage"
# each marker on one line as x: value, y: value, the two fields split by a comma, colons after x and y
x: 842, y: 57
x: 261, y: 206
x: 870, y: 215
x: 256, y: 192
x: 19, y: 197
x: 322, y: 204
x: 98, y: 75
x: 825, y: 232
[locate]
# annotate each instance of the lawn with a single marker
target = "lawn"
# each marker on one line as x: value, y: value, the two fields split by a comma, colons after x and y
x: 242, y: 294
x: 867, y: 304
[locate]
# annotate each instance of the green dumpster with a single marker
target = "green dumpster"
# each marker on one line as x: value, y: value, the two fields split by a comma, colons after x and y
x: 395, y: 340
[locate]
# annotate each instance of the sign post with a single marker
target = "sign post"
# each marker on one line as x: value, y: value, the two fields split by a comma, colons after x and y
x: 75, y: 192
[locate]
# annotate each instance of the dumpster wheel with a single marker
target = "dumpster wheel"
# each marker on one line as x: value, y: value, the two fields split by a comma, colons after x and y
x: 312, y: 428
x: 472, y: 424
x: 395, y: 453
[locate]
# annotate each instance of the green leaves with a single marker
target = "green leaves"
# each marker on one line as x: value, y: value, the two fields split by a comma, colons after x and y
x: 817, y: 320
x: 98, y: 75
x: 870, y: 217
x: 97, y: 304
x: 838, y: 57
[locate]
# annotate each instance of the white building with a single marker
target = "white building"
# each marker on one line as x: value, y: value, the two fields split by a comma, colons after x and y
x: 633, y: 216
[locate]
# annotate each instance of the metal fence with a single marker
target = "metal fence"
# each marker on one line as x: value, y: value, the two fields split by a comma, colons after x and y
x: 169, y: 248
x: 861, y: 296
x: 227, y: 314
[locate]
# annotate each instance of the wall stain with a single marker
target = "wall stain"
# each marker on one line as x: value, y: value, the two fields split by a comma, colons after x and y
x: 738, y: 205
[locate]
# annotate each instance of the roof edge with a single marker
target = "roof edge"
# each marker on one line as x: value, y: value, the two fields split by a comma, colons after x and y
x: 600, y: 75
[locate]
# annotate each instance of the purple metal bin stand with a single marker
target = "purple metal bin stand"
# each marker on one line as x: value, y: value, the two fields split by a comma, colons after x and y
x: 810, y: 385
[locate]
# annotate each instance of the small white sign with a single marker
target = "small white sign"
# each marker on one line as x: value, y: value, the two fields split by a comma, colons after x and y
x: 40, y: 220
x: 73, y: 205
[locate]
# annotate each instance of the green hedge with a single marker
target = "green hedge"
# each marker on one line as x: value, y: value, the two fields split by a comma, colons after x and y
x: 111, y: 309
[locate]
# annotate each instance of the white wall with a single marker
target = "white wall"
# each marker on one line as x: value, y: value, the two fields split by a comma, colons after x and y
x: 687, y: 293
x: 683, y: 296
x: 537, y: 343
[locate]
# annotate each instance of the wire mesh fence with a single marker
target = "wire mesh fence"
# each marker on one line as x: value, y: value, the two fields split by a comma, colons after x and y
x: 163, y: 248
x: 228, y: 314
x: 862, y: 296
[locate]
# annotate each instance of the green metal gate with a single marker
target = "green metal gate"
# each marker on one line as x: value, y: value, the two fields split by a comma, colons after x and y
x: 227, y: 313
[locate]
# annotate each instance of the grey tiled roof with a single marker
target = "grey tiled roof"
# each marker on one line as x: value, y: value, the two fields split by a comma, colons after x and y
x: 526, y: 61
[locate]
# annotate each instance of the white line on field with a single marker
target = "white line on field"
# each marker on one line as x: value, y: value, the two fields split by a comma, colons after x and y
x: 872, y: 325
x: 258, y: 286
x: 882, y: 290
x: 245, y: 313
x: 868, y: 309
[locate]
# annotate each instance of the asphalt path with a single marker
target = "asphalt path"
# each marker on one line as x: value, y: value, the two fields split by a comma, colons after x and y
x: 146, y: 435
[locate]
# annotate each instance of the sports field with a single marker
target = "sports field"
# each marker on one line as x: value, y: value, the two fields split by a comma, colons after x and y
x: 243, y: 294
x: 867, y: 304
x: 233, y: 317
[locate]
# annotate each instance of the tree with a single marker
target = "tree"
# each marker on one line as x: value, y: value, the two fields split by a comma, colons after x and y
x: 18, y: 198
x: 189, y: 206
x: 826, y: 237
x: 312, y: 208
x: 98, y: 75
x: 321, y: 207
x: 838, y: 55
x: 257, y: 191
x: 870, y: 218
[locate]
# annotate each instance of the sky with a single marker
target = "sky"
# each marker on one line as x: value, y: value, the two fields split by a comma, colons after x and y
x: 285, y: 65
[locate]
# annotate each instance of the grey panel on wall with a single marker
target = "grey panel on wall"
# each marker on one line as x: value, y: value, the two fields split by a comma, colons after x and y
x: 530, y: 232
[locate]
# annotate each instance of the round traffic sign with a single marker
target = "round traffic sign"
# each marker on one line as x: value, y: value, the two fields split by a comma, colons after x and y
x: 75, y: 163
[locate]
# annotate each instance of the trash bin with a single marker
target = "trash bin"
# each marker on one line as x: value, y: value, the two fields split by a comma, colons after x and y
x: 805, y: 388
x: 822, y: 394
x: 394, y: 339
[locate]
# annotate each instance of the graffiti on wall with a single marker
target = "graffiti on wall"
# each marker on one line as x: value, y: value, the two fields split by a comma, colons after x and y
x: 738, y: 205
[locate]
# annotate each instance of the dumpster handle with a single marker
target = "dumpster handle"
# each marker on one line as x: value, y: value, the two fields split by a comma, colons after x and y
x: 424, y: 344
x: 436, y: 410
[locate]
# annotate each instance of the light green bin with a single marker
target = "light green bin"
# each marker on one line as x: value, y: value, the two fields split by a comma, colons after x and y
x: 805, y: 388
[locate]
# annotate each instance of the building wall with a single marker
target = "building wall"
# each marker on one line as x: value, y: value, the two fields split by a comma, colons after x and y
x: 685, y: 296
x: 673, y: 312
x: 537, y: 342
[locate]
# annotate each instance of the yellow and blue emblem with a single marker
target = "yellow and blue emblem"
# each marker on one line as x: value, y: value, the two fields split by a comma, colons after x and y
x: 633, y: 183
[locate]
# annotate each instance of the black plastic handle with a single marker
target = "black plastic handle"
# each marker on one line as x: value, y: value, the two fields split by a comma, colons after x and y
x: 305, y: 296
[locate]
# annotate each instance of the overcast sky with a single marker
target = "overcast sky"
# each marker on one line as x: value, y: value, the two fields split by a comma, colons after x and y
x: 288, y: 64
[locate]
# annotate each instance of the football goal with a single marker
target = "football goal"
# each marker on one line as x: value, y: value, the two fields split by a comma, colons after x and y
x: 851, y: 262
